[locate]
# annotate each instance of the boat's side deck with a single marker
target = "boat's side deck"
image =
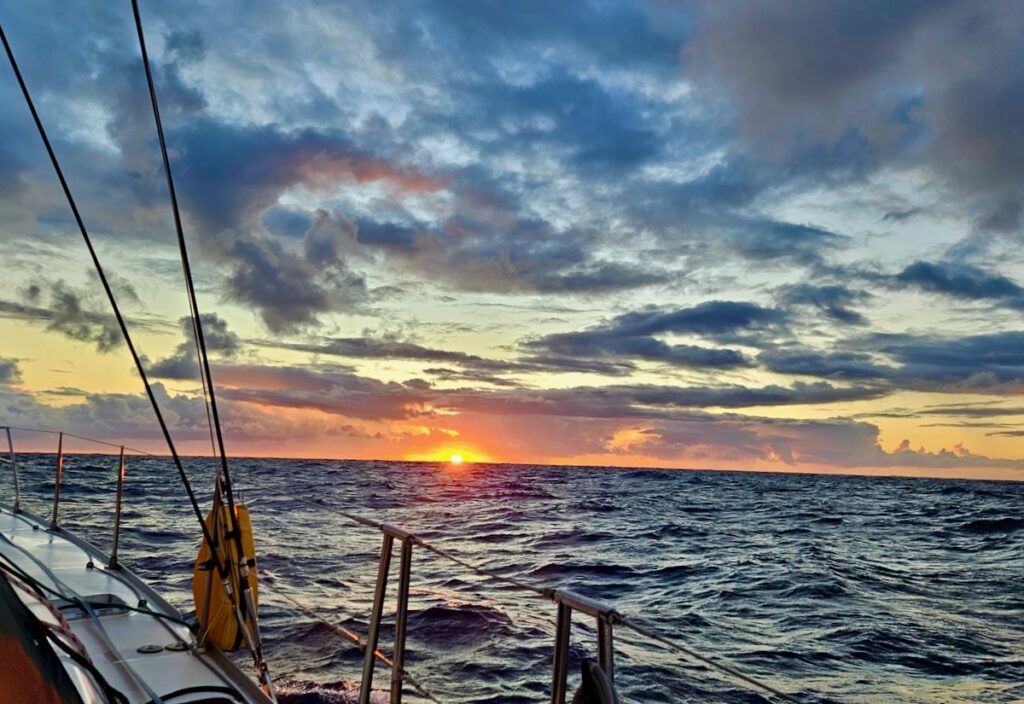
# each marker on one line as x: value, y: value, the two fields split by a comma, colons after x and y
x: 141, y: 655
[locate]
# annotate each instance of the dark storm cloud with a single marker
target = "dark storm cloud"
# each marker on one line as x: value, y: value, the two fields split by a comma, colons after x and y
x: 963, y: 281
x: 835, y: 300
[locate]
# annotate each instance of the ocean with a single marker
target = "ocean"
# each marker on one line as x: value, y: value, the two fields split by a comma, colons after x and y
x: 831, y: 588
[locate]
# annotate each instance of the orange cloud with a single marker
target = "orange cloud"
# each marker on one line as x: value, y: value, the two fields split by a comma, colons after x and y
x: 321, y: 170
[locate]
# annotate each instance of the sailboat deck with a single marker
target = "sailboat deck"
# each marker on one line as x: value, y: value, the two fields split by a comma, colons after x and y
x: 143, y: 656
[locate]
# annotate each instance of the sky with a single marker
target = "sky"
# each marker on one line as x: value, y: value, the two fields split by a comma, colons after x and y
x: 727, y: 235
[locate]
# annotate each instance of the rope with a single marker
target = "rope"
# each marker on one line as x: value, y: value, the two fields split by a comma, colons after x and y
x: 348, y: 635
x: 60, y: 625
x: 69, y: 594
x: 548, y: 593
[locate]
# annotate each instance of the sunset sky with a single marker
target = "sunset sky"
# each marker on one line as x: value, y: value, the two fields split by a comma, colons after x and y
x: 727, y: 235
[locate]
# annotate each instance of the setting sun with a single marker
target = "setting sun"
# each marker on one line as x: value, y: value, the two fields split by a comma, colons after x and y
x: 456, y: 459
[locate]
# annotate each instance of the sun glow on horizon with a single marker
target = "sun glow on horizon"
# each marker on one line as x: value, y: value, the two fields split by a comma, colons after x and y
x: 451, y: 456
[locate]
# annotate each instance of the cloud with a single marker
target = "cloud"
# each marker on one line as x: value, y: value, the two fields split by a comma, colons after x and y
x: 711, y: 319
x: 866, y: 85
x: 345, y: 393
x: 501, y: 250
x: 545, y: 154
x: 790, y: 443
x: 632, y: 335
x: 826, y: 365
x: 182, y: 364
x: 570, y: 422
x: 245, y: 169
x: 902, y: 215
x: 64, y: 310
x: 291, y: 288
x: 10, y: 372
x: 963, y: 281
x: 271, y: 404
x: 598, y: 343
x: 976, y: 364
x: 128, y: 418
x: 989, y: 363
x: 770, y: 240
x: 834, y: 301
x: 337, y: 392
x: 474, y: 366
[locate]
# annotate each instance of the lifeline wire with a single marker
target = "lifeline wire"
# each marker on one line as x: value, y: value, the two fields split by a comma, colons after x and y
x: 79, y: 437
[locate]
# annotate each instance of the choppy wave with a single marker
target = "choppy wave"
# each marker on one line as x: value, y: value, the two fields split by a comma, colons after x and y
x: 837, y: 589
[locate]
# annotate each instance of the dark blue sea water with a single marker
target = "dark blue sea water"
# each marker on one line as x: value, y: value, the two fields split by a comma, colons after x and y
x: 836, y: 589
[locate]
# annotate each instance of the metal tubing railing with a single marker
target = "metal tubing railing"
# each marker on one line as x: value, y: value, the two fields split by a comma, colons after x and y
x: 606, y: 617
x: 373, y: 635
x: 56, y: 489
x: 14, y: 470
x: 391, y: 533
x: 401, y: 620
x: 113, y: 563
x: 560, y: 667
x: 606, y: 649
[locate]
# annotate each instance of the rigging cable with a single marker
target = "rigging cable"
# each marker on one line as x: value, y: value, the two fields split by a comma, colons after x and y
x: 113, y: 301
x: 246, y: 606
